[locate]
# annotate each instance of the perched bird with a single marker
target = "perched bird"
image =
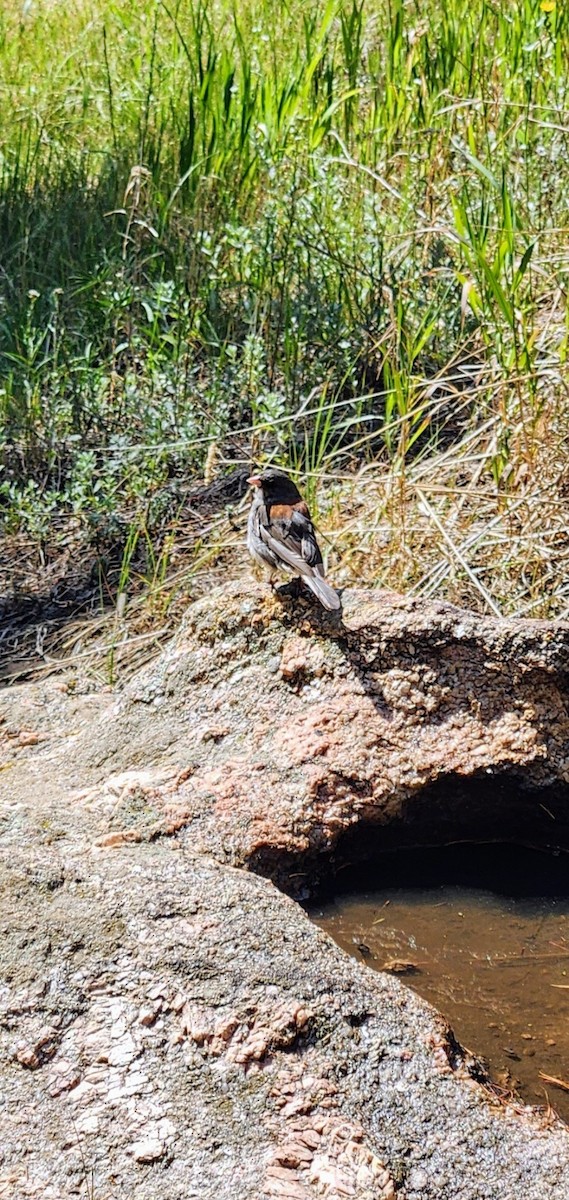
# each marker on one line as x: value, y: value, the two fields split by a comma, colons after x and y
x: 280, y: 534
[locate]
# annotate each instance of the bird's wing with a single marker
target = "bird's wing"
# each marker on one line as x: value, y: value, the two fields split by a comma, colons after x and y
x: 289, y: 534
x: 256, y: 545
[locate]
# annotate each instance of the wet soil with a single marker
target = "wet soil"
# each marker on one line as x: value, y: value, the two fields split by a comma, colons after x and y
x: 483, y: 934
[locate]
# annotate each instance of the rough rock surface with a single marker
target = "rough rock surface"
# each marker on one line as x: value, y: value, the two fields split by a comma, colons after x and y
x: 174, y: 1028
x: 289, y: 736
x: 171, y: 1026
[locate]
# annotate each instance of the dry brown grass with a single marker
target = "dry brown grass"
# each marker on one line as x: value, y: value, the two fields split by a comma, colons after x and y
x: 481, y: 522
x: 441, y: 526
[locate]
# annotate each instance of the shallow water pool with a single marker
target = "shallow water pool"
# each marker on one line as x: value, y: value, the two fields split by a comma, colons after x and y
x: 483, y: 933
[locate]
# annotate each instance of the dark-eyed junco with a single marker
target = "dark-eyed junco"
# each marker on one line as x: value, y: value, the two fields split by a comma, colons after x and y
x: 280, y: 534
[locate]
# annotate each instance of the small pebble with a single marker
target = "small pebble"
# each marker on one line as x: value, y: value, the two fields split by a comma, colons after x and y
x: 149, y: 1150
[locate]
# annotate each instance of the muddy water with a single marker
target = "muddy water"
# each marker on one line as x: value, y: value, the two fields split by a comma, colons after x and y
x: 483, y: 933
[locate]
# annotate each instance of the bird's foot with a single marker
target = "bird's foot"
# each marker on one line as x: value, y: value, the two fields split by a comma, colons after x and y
x: 292, y: 589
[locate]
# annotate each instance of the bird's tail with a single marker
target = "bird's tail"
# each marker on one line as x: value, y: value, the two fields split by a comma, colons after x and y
x: 322, y: 590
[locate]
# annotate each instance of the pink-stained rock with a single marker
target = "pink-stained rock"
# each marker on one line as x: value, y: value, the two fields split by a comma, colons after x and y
x: 338, y: 730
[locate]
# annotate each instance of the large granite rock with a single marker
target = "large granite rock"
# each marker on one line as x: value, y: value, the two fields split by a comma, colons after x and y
x: 290, y: 737
x: 173, y: 1027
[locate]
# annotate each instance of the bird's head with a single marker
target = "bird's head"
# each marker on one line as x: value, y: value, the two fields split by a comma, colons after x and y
x: 277, y: 487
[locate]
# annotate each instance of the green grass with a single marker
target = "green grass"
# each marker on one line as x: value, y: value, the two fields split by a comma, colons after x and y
x: 219, y: 218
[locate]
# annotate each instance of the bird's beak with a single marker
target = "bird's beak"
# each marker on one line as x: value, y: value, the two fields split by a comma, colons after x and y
x: 254, y: 481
